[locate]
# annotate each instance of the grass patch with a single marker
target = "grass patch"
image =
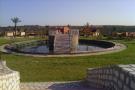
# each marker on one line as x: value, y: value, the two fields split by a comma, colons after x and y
x: 65, y: 69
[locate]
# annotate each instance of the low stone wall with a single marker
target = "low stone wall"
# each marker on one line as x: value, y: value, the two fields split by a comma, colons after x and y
x: 9, y: 79
x: 120, y: 77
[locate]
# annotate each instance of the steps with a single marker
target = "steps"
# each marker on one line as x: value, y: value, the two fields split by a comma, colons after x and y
x: 55, y: 86
x: 62, y: 43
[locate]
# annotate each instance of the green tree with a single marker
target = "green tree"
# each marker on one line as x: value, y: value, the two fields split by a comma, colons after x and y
x: 15, y: 20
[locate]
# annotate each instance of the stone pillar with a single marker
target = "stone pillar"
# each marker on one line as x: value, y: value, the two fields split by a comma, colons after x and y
x: 9, y: 79
x: 74, y: 37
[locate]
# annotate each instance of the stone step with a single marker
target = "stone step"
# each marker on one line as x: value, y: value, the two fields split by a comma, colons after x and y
x: 61, y: 49
x: 62, y: 39
x: 59, y: 46
x: 62, y: 43
x: 56, y: 86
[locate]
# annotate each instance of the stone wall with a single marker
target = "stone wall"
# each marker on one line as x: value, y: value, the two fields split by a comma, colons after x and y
x: 9, y: 79
x: 120, y: 77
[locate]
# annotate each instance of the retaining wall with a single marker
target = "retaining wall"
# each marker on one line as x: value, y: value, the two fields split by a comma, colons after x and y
x: 9, y: 79
x: 120, y: 77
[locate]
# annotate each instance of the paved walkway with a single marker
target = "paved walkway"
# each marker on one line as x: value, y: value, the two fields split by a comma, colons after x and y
x: 56, y: 86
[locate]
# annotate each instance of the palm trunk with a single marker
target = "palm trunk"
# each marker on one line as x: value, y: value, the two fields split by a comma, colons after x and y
x: 15, y: 29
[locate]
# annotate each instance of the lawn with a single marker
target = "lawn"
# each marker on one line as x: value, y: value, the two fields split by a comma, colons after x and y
x: 64, y: 68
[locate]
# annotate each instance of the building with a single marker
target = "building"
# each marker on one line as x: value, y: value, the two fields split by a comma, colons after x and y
x: 22, y: 33
x: 59, y: 30
x: 12, y: 33
x: 9, y: 33
x: 90, y: 31
x: 123, y: 34
x: 130, y: 34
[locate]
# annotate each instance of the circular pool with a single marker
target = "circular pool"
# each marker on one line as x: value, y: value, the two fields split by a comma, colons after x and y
x: 40, y: 48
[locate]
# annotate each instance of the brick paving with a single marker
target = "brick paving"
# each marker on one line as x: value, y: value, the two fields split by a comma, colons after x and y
x: 75, y: 85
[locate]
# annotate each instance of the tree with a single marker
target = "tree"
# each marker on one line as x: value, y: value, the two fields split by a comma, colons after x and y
x: 87, y: 24
x: 15, y: 20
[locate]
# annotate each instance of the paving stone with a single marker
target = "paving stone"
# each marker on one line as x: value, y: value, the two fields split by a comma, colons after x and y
x: 75, y: 85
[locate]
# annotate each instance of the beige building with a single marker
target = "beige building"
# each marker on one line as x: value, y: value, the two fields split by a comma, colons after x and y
x: 10, y: 34
x: 130, y: 34
x: 22, y: 33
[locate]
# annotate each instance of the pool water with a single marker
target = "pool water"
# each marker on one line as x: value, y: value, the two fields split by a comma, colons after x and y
x: 43, y: 49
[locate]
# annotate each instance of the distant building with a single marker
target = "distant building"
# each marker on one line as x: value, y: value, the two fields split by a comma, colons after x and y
x: 90, y: 31
x: 59, y: 30
x: 123, y: 34
x: 9, y: 33
x: 22, y: 33
x: 13, y: 33
x: 130, y: 34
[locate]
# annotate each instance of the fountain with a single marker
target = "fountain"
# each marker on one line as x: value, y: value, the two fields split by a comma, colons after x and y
x: 62, y: 41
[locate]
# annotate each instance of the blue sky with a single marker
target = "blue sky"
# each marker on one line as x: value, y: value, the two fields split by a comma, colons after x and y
x: 63, y: 12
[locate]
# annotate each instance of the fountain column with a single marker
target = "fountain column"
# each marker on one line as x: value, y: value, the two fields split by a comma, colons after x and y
x: 74, y: 38
x: 64, y: 42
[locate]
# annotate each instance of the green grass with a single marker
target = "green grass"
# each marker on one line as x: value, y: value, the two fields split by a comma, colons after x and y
x: 65, y: 68
x: 11, y: 40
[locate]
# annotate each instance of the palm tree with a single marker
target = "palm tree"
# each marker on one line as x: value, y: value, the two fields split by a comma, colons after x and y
x: 15, y: 20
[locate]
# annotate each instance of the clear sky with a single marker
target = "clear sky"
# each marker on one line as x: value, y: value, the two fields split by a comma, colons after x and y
x: 63, y: 12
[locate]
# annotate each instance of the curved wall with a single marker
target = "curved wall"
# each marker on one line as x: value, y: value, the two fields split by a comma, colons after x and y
x: 9, y: 79
x: 118, y: 77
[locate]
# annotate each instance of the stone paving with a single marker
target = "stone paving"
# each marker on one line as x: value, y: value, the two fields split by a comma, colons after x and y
x: 74, y: 85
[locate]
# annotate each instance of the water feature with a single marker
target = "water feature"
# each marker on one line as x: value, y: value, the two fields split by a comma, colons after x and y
x: 41, y: 47
x: 61, y: 41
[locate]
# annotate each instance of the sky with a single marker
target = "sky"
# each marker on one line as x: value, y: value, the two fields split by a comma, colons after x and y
x: 64, y: 12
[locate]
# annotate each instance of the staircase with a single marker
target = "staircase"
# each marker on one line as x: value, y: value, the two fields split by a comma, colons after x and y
x: 62, y: 43
x: 56, y: 86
